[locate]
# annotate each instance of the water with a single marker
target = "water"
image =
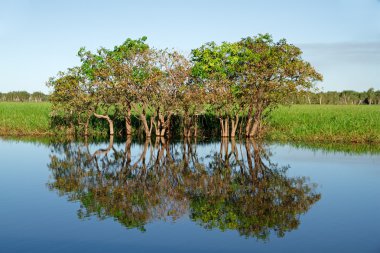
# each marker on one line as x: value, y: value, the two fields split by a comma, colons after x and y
x: 181, y: 197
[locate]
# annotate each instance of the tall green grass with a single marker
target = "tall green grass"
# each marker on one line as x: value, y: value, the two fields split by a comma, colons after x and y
x: 18, y: 118
x: 331, y: 123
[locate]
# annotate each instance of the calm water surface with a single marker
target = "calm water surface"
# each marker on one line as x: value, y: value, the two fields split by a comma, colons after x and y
x: 187, y: 197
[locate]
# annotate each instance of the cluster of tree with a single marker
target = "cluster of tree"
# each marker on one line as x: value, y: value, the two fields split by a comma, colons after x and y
x: 248, y: 77
x: 23, y: 96
x: 346, y: 97
x: 236, y: 188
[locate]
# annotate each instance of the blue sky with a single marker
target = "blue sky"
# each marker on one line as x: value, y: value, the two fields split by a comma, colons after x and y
x: 341, y: 38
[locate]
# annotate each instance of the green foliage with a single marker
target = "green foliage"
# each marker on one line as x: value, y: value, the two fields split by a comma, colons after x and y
x: 213, y: 61
x: 263, y: 70
x: 215, y: 69
x: 269, y: 71
x: 255, y: 72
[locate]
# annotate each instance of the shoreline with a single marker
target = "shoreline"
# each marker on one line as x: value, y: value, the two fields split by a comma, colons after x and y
x: 311, y: 140
x: 342, y: 124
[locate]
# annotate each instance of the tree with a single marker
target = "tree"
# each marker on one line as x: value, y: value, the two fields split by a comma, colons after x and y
x: 97, y: 74
x: 145, y: 77
x: 215, y: 69
x: 377, y: 95
x: 191, y: 103
x: 127, y: 62
x: 371, y: 95
x: 268, y: 72
x: 175, y: 72
x: 259, y: 72
x: 38, y: 96
x: 250, y: 76
x: 72, y: 101
x: 18, y: 96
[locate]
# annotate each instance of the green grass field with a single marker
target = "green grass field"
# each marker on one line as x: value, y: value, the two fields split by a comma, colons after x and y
x: 334, y: 123
x: 316, y: 123
x: 18, y: 119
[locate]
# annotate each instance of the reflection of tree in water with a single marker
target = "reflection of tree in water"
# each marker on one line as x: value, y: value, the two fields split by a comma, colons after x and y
x: 254, y: 198
x: 237, y: 189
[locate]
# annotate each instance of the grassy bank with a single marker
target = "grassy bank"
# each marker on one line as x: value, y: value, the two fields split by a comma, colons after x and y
x: 321, y: 123
x: 27, y: 119
x: 327, y: 123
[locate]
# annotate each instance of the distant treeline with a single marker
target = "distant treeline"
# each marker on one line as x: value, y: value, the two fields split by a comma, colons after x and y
x: 346, y: 97
x: 23, y: 96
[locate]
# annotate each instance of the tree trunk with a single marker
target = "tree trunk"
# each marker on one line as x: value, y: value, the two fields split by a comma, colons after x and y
x: 86, y: 126
x: 249, y: 121
x: 157, y: 123
x: 227, y: 127
x: 128, y: 122
x: 185, y: 132
x: 224, y: 128
x: 157, y: 127
x: 255, y: 127
x: 166, y: 125
x: 196, y: 126
x: 221, y: 126
x: 163, y: 131
x: 256, y: 121
x: 162, y: 128
x: 235, y: 123
x: 186, y: 125
x: 163, y: 125
x: 168, y: 133
x: 106, y: 117
x: 147, y: 129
